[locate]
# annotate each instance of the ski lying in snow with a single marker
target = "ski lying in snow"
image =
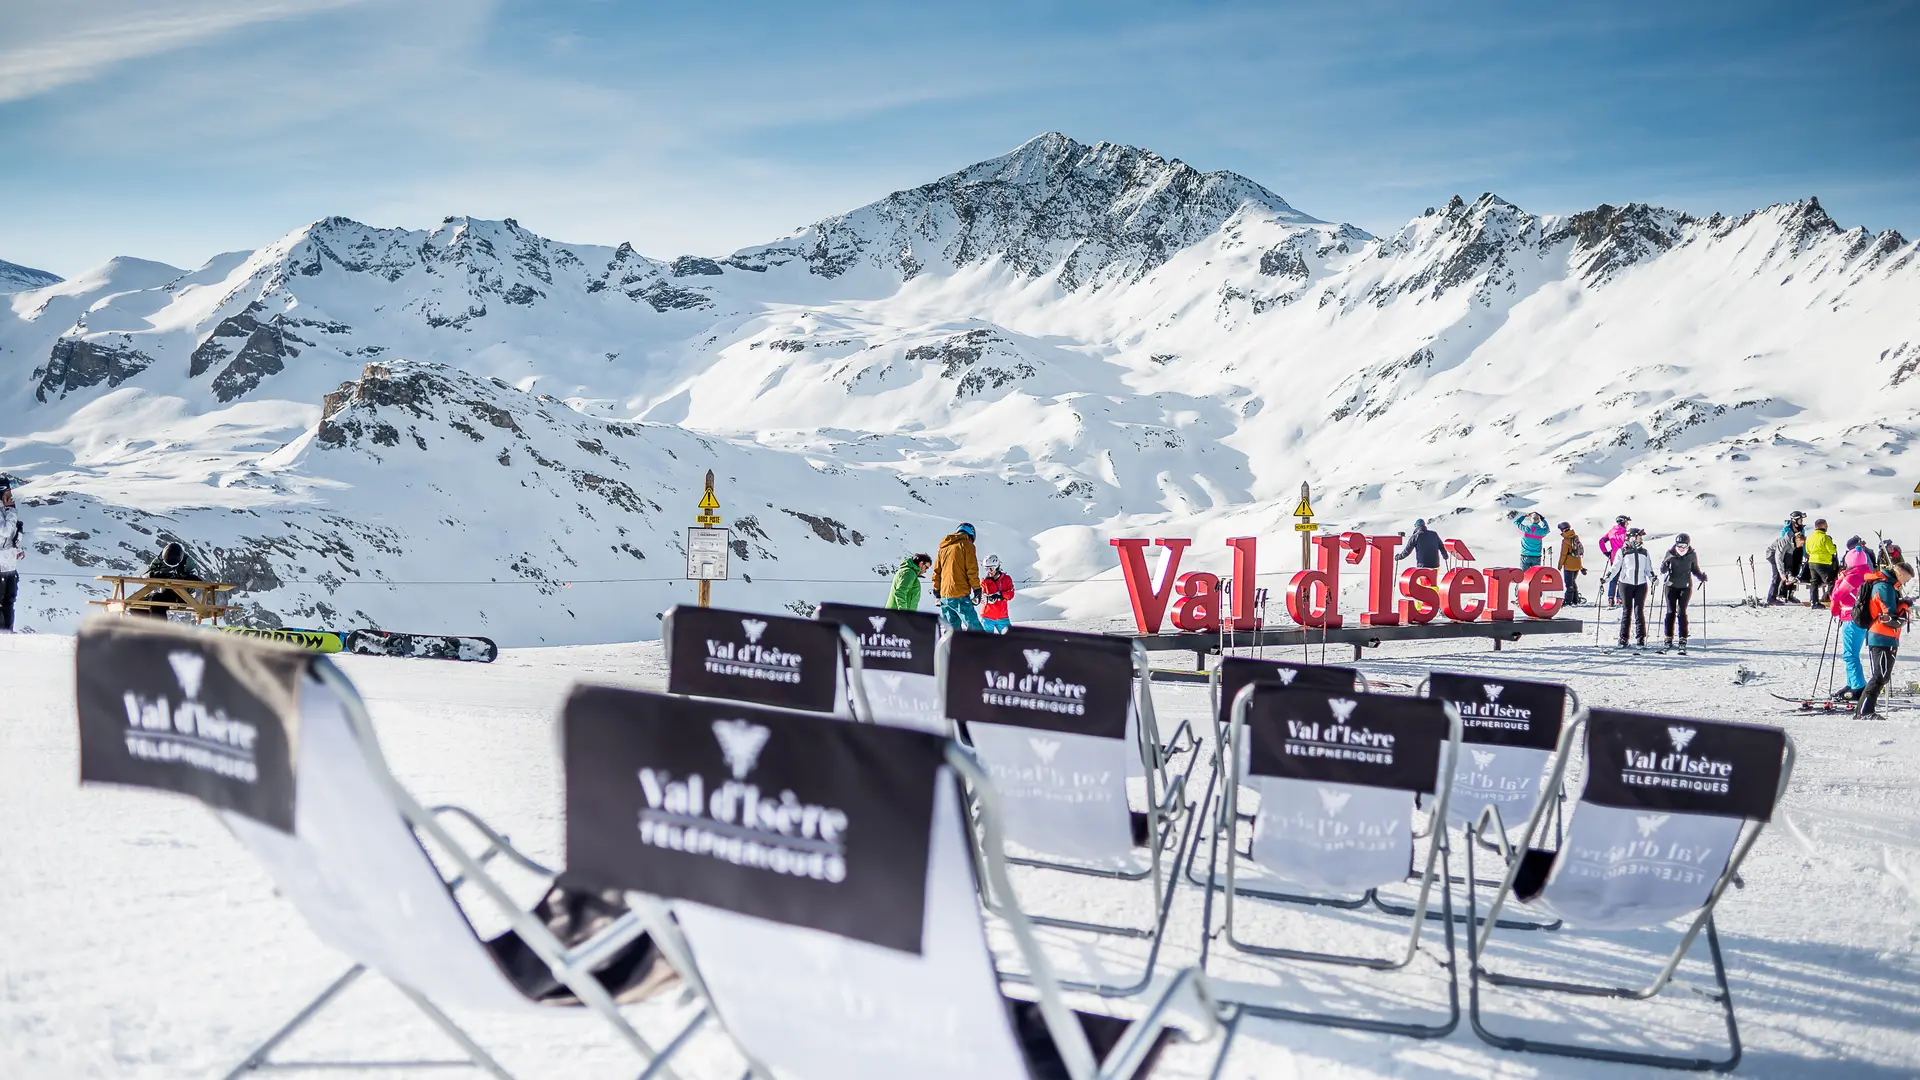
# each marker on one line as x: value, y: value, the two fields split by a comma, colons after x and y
x: 1808, y: 704
x: 323, y: 641
x: 422, y: 646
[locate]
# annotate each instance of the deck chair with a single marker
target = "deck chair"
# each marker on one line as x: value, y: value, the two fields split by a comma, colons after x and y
x: 778, y: 660
x: 1669, y: 810
x: 834, y: 931
x: 275, y: 740
x: 1510, y: 727
x: 1056, y: 719
x: 1224, y: 682
x: 1337, y: 775
x: 896, y: 654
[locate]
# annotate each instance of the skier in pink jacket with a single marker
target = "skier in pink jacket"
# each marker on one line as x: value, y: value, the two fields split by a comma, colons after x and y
x: 1610, y: 545
x: 1854, y: 566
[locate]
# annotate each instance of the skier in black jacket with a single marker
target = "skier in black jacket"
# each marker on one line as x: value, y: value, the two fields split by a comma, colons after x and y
x: 1423, y: 544
x: 1679, y: 568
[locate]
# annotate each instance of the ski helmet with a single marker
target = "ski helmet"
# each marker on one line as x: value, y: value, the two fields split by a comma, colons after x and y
x: 173, y: 554
x: 993, y: 562
x: 1797, y: 515
x: 1682, y: 539
x: 967, y: 527
x: 1622, y: 520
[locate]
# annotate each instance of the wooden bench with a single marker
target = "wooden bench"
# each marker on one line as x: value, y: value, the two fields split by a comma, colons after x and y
x: 201, y: 599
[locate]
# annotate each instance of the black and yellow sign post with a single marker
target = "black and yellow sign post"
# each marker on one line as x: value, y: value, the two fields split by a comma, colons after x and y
x: 1916, y: 492
x: 1305, y: 527
x: 708, y: 545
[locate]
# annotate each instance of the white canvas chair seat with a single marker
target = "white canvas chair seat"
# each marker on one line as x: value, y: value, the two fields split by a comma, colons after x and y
x: 1333, y: 838
x: 1668, y: 811
x: 802, y: 1001
x: 1064, y: 724
x: 905, y: 699
x: 354, y: 868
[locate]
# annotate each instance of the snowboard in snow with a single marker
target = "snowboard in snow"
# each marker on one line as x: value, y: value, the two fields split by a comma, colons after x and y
x: 322, y: 641
x: 422, y: 646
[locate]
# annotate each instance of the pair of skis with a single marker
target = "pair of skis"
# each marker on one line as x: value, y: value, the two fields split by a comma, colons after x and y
x: 381, y: 643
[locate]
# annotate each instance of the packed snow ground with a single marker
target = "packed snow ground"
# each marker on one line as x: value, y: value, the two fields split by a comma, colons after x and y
x: 141, y: 942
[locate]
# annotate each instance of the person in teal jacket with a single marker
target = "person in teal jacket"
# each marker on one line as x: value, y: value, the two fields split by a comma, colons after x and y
x: 906, y: 582
x: 1533, y: 529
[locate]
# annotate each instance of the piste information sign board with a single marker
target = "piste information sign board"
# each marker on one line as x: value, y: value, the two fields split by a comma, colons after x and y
x: 707, y: 551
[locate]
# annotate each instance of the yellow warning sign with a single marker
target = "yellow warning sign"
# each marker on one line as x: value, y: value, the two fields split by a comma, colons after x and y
x: 708, y: 502
x: 1305, y: 507
x: 1916, y: 489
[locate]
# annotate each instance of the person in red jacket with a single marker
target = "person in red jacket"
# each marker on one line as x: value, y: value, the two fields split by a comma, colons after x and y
x: 996, y: 588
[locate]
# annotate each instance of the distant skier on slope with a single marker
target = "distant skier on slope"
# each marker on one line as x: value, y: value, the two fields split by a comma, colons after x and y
x: 1823, y: 564
x: 1883, y: 612
x: 1533, y: 530
x: 1572, y: 552
x: 1423, y: 544
x: 1633, y: 575
x: 13, y: 552
x: 997, y: 588
x: 1680, y: 567
x: 905, y: 594
x: 1610, y: 545
x: 956, y: 579
x: 1856, y: 564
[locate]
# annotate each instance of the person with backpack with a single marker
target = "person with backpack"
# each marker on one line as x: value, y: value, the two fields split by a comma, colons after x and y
x: 1680, y: 567
x: 1823, y: 564
x: 956, y: 579
x: 905, y: 594
x: 1423, y: 544
x: 1533, y: 530
x: 1633, y: 575
x: 1882, y: 611
x: 1855, y: 565
x: 1572, y: 552
x: 996, y: 588
x: 1610, y: 544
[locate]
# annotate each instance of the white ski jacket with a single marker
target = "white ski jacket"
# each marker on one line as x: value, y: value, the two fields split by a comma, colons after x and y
x: 13, y: 547
x: 1634, y: 567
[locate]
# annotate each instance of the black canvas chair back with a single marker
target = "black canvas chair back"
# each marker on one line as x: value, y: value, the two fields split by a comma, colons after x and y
x: 1668, y: 811
x: 1234, y: 672
x: 820, y: 881
x: 274, y: 739
x: 897, y: 662
x: 778, y: 660
x: 1510, y: 727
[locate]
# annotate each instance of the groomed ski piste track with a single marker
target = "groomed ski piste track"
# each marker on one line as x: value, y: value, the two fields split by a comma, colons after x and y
x: 143, y: 942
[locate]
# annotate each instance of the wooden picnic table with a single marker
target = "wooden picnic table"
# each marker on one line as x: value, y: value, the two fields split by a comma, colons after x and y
x: 201, y: 599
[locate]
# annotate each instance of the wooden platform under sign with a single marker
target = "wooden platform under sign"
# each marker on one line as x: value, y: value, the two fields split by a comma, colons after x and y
x: 201, y: 599
x: 1359, y: 637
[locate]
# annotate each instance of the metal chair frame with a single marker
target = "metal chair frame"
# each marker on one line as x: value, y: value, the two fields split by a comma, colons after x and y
x: 1477, y: 943
x: 1437, y: 857
x: 987, y: 841
x: 1162, y: 816
x: 571, y: 967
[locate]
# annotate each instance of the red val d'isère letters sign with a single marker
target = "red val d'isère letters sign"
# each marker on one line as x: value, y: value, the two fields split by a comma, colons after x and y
x: 1462, y: 594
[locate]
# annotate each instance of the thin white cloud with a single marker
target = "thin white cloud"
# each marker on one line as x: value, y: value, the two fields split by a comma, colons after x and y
x: 52, y: 45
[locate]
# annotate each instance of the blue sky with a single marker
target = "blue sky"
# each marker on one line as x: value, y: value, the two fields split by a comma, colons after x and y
x: 176, y: 129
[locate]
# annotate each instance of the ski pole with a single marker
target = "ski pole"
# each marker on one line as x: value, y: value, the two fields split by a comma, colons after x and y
x: 1822, y: 663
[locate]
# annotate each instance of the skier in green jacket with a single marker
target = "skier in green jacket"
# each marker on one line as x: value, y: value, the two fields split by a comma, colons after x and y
x: 906, y: 582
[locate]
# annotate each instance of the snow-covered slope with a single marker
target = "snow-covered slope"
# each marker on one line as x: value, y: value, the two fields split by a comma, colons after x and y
x: 14, y: 277
x: 1060, y: 343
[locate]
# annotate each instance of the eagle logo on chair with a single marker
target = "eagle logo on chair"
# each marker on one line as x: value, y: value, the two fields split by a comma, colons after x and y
x: 1681, y: 736
x: 1648, y: 824
x: 1493, y: 691
x: 1334, y: 801
x: 1045, y: 748
x: 740, y: 743
x: 1287, y: 675
x: 1342, y: 708
x: 1482, y: 759
x: 754, y: 628
x: 892, y: 679
x: 189, y: 668
x: 1036, y: 659
x: 879, y: 623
